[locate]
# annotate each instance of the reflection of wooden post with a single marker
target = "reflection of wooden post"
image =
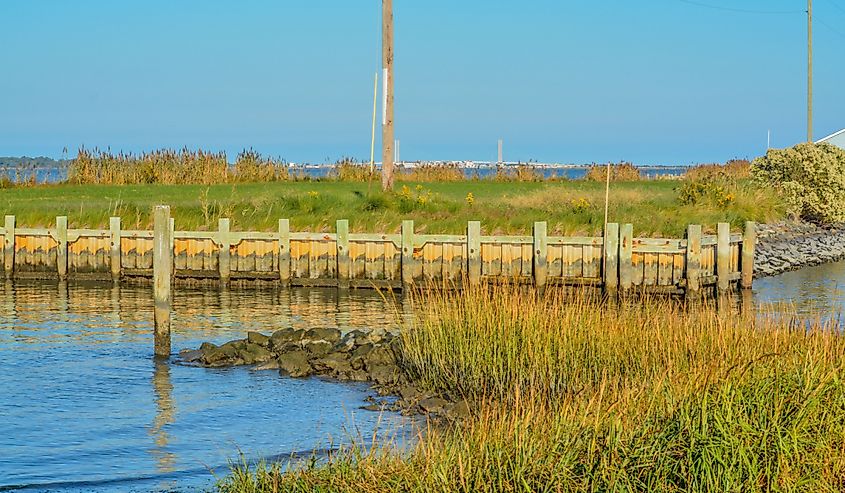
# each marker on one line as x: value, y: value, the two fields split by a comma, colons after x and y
x: 540, y: 255
x: 749, y: 244
x: 114, y: 230
x: 611, y: 258
x: 9, y: 247
x: 723, y: 256
x: 162, y: 273
x: 61, y: 247
x: 693, y: 261
x: 474, y: 252
x: 284, y: 252
x: 626, y: 255
x: 407, y: 253
x: 343, y: 263
x: 223, y: 257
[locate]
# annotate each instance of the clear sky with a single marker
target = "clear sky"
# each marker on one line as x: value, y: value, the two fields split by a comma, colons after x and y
x: 652, y: 81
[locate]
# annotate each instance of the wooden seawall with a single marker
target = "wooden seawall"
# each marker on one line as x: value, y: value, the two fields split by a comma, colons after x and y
x: 615, y: 261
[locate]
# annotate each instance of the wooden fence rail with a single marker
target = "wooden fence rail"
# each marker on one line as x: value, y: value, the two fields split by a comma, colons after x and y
x: 615, y: 261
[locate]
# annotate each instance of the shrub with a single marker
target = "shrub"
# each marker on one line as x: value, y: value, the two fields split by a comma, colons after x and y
x: 618, y: 172
x: 810, y: 177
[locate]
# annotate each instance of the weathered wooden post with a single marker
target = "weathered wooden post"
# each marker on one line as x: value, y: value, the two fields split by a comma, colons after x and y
x: 284, y: 252
x: 626, y: 255
x: 114, y: 233
x: 224, y: 255
x: 693, y: 289
x: 162, y: 273
x: 61, y: 247
x: 9, y: 247
x: 540, y: 255
x: 343, y: 262
x: 610, y: 272
x: 474, y: 252
x: 749, y: 244
x: 723, y: 256
x: 407, y: 253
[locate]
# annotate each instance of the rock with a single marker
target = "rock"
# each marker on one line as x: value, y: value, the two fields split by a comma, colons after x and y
x: 207, y: 346
x: 253, y: 353
x: 384, y: 374
x: 356, y: 375
x: 285, y: 339
x: 227, y: 354
x: 332, y: 364
x: 459, y: 410
x: 409, y: 393
x: 273, y: 364
x: 318, y: 348
x: 323, y: 334
x: 295, y: 364
x: 359, y: 355
x: 257, y: 338
x: 434, y: 405
x: 191, y: 356
x: 352, y: 339
x: 380, y: 356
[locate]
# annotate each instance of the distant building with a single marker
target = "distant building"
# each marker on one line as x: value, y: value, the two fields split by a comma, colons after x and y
x: 837, y: 139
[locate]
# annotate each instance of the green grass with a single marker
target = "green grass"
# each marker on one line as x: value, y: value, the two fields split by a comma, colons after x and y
x: 569, y: 395
x: 573, y: 207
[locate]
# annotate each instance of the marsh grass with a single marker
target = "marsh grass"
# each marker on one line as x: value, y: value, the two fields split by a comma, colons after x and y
x: 623, y: 171
x: 570, y: 395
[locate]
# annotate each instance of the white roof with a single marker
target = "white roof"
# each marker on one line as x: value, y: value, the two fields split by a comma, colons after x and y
x: 831, y: 136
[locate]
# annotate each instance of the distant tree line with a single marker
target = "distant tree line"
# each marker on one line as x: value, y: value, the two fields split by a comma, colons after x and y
x: 32, y: 162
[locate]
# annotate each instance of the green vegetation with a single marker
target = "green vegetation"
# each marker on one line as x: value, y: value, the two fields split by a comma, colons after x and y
x: 571, y: 395
x: 810, y: 176
x: 570, y: 207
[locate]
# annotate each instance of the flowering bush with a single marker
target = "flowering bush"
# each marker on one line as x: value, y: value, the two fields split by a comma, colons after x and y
x: 810, y: 177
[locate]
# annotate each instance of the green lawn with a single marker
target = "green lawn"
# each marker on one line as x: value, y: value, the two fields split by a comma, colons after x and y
x: 573, y: 207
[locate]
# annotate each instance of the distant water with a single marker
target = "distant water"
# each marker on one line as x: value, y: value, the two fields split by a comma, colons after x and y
x: 55, y: 175
x: 85, y: 408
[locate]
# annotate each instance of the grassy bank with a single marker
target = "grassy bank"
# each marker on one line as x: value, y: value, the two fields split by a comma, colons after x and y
x: 570, y: 207
x: 571, y: 396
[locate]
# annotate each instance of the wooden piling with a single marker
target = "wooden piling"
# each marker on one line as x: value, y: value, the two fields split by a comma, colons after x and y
x: 693, y: 254
x: 610, y: 272
x: 9, y: 247
x: 284, y: 252
x: 540, y: 255
x: 474, y: 252
x: 749, y: 244
x: 224, y: 256
x: 61, y: 247
x: 343, y: 262
x: 626, y: 255
x: 162, y: 274
x: 114, y: 235
x: 407, y: 252
x: 723, y: 256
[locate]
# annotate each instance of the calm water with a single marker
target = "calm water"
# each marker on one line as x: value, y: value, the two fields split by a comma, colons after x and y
x: 84, y: 407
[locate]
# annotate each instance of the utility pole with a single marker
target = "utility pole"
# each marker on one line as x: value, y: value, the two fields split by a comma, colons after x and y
x: 387, y: 101
x: 809, y: 70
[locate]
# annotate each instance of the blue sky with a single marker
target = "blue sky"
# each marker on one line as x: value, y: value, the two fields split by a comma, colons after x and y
x: 652, y: 81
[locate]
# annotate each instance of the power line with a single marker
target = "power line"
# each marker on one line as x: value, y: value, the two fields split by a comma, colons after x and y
x: 742, y: 11
x: 831, y: 28
x: 835, y: 4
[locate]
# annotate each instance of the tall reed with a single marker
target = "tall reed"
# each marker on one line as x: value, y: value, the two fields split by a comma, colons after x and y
x: 571, y: 395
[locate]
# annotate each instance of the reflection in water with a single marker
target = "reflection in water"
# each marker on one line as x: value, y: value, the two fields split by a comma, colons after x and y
x: 165, y: 415
x: 85, y: 407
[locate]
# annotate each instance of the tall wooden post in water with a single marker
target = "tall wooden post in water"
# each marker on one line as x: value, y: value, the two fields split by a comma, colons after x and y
x: 387, y: 101
x: 162, y: 274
